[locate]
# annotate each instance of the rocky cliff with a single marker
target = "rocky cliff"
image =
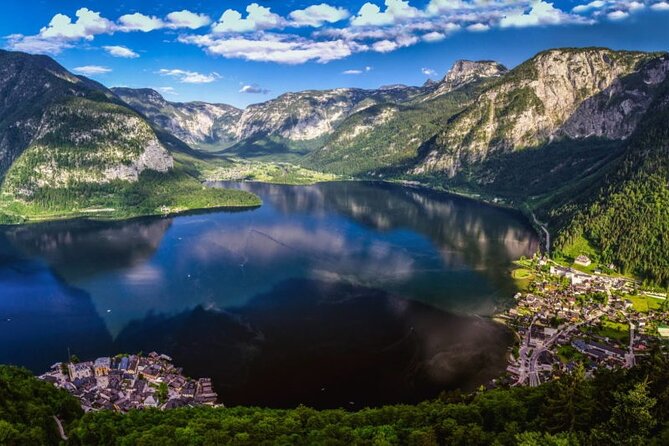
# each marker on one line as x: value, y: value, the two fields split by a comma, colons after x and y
x: 194, y: 123
x: 557, y: 93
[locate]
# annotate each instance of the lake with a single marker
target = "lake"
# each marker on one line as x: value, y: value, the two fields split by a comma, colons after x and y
x: 342, y: 294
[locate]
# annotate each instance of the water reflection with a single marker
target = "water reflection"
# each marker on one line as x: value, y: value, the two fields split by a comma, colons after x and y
x: 321, y: 280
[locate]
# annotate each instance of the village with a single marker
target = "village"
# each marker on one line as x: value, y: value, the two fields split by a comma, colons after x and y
x: 572, y: 316
x: 126, y: 382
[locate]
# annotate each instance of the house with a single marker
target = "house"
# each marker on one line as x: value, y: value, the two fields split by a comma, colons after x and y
x: 150, y: 401
x: 101, y: 366
x: 583, y: 260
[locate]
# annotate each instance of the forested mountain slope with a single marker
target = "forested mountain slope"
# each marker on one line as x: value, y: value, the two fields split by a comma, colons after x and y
x: 69, y: 146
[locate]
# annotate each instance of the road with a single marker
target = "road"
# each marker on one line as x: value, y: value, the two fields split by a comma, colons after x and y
x: 61, y: 431
x: 529, y: 368
x: 543, y: 228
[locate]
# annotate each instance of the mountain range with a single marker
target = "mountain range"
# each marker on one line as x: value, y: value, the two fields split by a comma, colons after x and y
x: 578, y: 137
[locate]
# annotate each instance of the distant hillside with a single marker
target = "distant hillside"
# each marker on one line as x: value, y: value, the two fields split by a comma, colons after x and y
x: 194, y: 123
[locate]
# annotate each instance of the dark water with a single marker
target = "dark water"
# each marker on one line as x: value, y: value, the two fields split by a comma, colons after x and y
x: 340, y: 294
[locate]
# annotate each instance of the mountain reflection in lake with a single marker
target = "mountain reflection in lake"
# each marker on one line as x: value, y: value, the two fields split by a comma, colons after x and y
x: 327, y: 295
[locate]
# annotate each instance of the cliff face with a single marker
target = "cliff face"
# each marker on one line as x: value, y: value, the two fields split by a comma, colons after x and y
x: 465, y: 72
x: 310, y: 115
x: 558, y: 93
x: 192, y: 122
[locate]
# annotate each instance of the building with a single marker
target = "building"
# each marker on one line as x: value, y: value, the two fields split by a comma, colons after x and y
x: 102, y: 366
x: 583, y: 260
x: 80, y: 371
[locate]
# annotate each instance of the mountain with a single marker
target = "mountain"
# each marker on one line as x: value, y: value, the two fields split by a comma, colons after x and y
x: 194, y: 123
x: 69, y: 146
x: 465, y: 72
x: 625, y: 215
x: 291, y: 122
x: 390, y: 134
x: 562, y: 93
x: 579, y: 137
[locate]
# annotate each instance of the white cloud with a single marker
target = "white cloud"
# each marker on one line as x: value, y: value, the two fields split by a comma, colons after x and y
x: 385, y: 46
x: 440, y: 6
x: 617, y: 15
x: 317, y: 15
x: 284, y: 48
x: 91, y: 70
x: 589, y: 6
x: 121, y: 51
x: 168, y: 90
x: 139, y: 22
x: 478, y: 27
x: 396, y: 11
x: 36, y: 44
x: 358, y: 71
x: 540, y: 13
x: 633, y: 6
x: 661, y: 6
x: 253, y: 89
x: 257, y: 18
x: 88, y: 24
x: 433, y: 36
x: 186, y: 19
x: 190, y: 77
x: 428, y: 72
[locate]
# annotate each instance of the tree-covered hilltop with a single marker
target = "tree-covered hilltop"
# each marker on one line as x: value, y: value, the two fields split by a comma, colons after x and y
x: 27, y: 408
x: 623, y: 407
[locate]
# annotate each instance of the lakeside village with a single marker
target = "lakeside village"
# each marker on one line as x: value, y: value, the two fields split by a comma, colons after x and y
x: 127, y: 382
x: 571, y: 315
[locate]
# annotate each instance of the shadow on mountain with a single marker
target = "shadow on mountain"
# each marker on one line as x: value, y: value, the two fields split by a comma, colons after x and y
x: 326, y: 345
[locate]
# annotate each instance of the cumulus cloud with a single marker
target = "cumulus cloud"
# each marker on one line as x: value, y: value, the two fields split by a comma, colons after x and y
x: 540, y: 13
x: 318, y: 15
x: 186, y: 19
x: 589, y: 6
x: 257, y: 18
x: 478, y: 27
x: 253, y: 89
x: 266, y: 47
x: 396, y: 11
x: 617, y: 15
x: 62, y: 32
x: 139, y: 22
x: 661, y: 6
x: 121, y: 51
x: 428, y: 72
x: 190, y: 77
x: 168, y: 90
x: 36, y: 44
x: 87, y: 25
x: 433, y: 36
x: 91, y: 70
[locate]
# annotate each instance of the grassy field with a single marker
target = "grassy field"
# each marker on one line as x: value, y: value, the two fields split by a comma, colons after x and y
x: 614, y: 330
x: 265, y: 172
x: 567, y: 353
x: 643, y: 304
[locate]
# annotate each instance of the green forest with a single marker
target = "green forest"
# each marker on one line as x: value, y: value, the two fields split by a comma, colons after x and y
x: 622, y: 407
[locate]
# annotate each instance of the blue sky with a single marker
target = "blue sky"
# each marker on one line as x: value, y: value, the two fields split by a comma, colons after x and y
x: 241, y: 52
